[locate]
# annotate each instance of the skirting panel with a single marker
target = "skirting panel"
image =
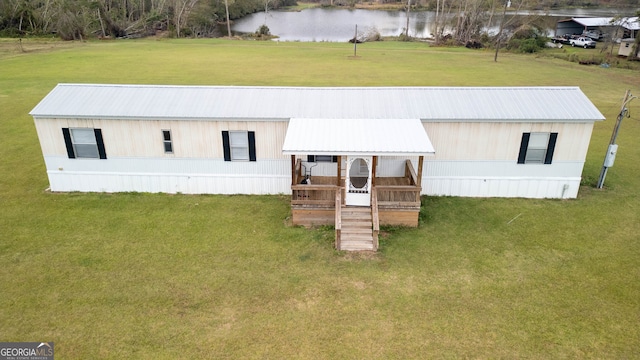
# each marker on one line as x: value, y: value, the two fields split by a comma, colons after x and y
x: 557, y: 188
x: 313, y: 217
x: 169, y: 183
x: 399, y: 217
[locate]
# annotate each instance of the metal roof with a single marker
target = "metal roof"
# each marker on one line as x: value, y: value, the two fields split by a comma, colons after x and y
x: 156, y: 102
x: 390, y: 137
x: 630, y: 23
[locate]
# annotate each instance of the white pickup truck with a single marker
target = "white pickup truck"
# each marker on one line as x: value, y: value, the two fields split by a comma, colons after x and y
x: 584, y: 42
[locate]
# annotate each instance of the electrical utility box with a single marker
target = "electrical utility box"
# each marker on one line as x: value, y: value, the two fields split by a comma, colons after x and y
x: 611, y: 155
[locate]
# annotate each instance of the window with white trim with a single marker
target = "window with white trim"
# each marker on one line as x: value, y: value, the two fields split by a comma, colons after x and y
x: 167, y: 142
x: 239, y: 145
x: 84, y: 143
x: 537, y: 148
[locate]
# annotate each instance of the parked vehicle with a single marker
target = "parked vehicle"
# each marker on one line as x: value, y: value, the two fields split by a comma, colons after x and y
x: 594, y: 35
x: 561, y: 39
x: 585, y: 42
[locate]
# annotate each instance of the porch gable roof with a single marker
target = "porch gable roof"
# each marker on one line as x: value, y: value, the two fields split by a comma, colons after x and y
x: 385, y: 137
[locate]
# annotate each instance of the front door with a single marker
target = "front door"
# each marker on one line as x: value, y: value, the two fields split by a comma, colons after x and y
x: 358, y: 181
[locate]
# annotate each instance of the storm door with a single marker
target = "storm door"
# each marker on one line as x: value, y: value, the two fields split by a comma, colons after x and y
x: 358, y: 181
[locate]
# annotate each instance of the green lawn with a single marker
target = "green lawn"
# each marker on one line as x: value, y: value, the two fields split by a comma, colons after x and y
x: 174, y: 276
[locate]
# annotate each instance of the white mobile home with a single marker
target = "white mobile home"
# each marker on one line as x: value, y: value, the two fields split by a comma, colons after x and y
x: 493, y: 141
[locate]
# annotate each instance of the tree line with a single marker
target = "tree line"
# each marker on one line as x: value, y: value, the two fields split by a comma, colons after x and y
x: 79, y: 19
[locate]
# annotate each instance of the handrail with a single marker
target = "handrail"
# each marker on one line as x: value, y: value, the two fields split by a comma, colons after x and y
x: 313, y: 187
x: 397, y: 187
x: 320, y: 194
x: 375, y: 218
x: 338, y: 211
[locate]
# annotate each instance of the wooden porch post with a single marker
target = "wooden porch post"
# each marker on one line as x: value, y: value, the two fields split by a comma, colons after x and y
x: 420, y: 163
x: 338, y: 177
x: 374, y: 166
x: 293, y: 170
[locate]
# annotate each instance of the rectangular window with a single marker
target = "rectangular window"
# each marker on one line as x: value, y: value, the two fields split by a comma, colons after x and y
x: 166, y: 140
x: 537, y: 148
x: 84, y: 143
x: 322, y: 158
x: 239, y: 145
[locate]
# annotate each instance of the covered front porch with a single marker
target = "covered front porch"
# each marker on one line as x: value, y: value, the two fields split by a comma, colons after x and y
x: 362, y: 181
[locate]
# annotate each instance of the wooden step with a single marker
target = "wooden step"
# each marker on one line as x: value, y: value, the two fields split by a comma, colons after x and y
x: 357, y: 229
x: 356, y: 223
x: 356, y: 209
x: 356, y: 214
x: 356, y: 246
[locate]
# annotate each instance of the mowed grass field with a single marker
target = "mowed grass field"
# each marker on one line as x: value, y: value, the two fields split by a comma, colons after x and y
x: 157, y: 276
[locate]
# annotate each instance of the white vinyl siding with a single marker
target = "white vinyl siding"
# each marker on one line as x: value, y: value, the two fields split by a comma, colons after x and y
x: 190, y: 139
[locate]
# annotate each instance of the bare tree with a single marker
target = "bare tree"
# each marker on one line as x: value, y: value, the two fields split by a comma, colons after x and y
x: 266, y: 10
x: 470, y: 20
x: 182, y: 10
x: 408, y: 11
x: 499, y: 36
x: 505, y: 21
x: 226, y: 8
x: 443, y: 13
x: 436, y: 27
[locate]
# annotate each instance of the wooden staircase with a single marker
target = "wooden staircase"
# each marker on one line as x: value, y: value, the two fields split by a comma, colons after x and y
x: 357, y: 229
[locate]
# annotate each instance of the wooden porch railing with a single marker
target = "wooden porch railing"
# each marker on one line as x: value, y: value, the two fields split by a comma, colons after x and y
x: 398, y: 195
x: 323, y: 195
x: 338, y: 211
x: 401, y: 195
x: 375, y: 219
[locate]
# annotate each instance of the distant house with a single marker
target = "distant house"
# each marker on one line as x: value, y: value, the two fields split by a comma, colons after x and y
x: 335, y: 150
x: 624, y: 27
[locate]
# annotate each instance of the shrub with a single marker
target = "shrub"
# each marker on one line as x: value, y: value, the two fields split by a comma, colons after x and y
x: 529, y: 46
x: 372, y: 34
x: 527, y: 39
x: 263, y: 30
x: 404, y: 37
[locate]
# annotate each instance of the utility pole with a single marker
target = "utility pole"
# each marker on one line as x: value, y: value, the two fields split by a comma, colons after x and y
x: 499, y: 37
x: 355, y: 42
x: 610, y: 157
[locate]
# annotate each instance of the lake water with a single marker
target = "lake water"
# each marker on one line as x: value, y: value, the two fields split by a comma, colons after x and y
x: 338, y: 25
